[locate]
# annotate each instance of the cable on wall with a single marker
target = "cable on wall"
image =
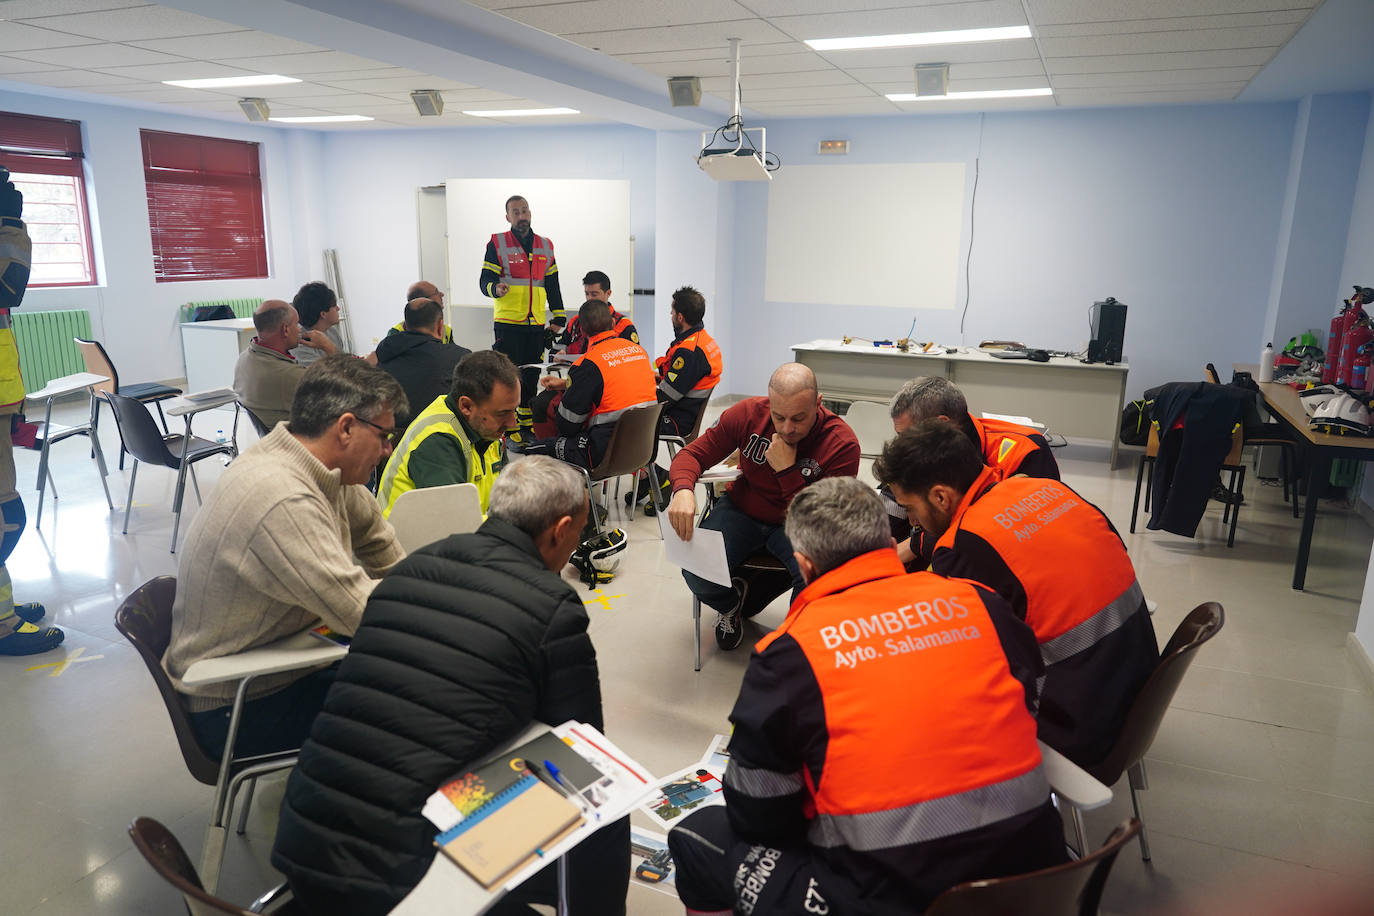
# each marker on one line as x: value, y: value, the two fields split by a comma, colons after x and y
x: 972, y: 206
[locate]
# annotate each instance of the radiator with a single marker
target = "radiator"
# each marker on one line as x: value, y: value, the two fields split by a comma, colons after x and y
x: 243, y: 308
x: 46, y: 350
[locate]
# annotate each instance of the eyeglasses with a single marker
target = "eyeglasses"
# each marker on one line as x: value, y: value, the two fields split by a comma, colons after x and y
x: 390, y: 435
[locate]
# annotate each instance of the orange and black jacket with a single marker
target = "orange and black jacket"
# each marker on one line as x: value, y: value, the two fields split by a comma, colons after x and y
x: 1062, y: 567
x: 886, y: 728
x: 610, y: 378
x: 687, y: 374
x: 575, y: 341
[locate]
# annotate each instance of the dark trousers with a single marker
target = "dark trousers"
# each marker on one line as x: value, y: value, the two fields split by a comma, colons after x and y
x: 712, y: 863
x: 277, y: 722
x: 523, y: 343
x: 598, y: 878
x: 744, y: 537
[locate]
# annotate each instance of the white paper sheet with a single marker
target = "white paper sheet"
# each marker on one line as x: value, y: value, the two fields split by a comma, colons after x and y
x: 703, y: 555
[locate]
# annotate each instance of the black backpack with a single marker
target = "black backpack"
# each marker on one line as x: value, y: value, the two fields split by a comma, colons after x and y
x: 1135, y: 422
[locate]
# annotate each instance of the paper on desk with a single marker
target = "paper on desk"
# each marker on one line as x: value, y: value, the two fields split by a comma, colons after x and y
x: 703, y: 555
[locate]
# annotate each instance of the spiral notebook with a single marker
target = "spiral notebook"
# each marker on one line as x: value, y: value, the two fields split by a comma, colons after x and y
x: 511, y: 829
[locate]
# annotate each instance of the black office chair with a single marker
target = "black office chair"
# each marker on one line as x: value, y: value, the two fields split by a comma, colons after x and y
x: 98, y: 361
x: 145, y: 443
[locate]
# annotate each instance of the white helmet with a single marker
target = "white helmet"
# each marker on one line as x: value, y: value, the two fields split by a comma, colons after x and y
x: 1341, y: 414
x: 598, y: 558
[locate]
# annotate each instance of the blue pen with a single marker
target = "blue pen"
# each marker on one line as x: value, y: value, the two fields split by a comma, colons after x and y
x: 567, y: 786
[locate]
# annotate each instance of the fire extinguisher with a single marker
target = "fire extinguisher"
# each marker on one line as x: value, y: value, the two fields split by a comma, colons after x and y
x: 1356, y: 336
x: 1360, y: 377
x: 1333, y: 344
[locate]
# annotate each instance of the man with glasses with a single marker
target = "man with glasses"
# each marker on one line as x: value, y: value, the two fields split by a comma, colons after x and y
x: 457, y: 437
x: 289, y: 539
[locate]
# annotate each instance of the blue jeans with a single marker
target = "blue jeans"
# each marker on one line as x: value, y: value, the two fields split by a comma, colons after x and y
x: 744, y: 537
x: 279, y: 721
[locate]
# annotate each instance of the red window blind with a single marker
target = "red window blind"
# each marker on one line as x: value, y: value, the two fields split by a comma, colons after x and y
x: 204, y: 207
x: 44, y: 159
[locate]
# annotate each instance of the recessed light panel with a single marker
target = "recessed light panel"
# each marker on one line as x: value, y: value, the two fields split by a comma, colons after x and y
x: 981, y: 94
x: 233, y: 82
x: 916, y: 39
x: 323, y: 119
x: 523, y: 113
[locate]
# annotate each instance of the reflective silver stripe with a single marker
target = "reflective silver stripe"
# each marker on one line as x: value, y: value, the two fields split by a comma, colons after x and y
x: 672, y: 393
x: 15, y: 252
x: 894, y: 509
x: 611, y: 416
x: 5, y: 320
x: 698, y: 394
x: 1095, y: 628
x: 762, y: 783
x: 931, y: 820
x: 415, y: 430
x: 568, y: 415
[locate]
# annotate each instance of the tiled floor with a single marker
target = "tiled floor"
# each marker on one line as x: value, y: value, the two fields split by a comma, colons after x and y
x: 1259, y: 774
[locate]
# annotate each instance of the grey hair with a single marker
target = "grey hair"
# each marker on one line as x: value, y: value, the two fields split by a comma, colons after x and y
x: 925, y: 397
x: 534, y: 492
x: 340, y: 384
x: 835, y: 520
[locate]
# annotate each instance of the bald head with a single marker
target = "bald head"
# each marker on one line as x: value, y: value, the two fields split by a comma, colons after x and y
x: 423, y: 289
x: 277, y: 325
x: 790, y: 379
x: 793, y: 402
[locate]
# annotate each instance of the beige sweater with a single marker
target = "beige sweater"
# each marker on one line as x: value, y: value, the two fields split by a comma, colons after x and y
x: 271, y: 553
x: 266, y: 381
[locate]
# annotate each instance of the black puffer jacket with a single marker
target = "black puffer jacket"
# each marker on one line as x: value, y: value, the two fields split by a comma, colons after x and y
x: 422, y: 364
x: 464, y: 644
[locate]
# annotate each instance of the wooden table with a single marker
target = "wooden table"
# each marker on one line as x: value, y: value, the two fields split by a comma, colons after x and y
x: 1072, y: 398
x: 1321, y: 448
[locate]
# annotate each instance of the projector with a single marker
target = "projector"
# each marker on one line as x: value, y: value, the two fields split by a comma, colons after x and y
x: 742, y: 161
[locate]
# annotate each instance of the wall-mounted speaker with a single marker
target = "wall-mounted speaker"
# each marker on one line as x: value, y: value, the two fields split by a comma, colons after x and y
x: 428, y: 102
x: 684, y: 90
x: 255, y: 109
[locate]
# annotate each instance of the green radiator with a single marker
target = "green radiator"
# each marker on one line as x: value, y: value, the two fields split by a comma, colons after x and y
x: 46, y: 350
x: 243, y: 308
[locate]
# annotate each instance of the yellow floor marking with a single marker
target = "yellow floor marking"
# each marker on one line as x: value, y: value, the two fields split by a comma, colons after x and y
x: 71, y: 659
x: 601, y: 599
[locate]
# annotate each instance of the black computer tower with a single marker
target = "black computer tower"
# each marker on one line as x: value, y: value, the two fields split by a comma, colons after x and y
x: 1108, y: 328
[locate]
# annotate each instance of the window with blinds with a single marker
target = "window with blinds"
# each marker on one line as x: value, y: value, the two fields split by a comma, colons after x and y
x: 44, y: 156
x: 204, y: 207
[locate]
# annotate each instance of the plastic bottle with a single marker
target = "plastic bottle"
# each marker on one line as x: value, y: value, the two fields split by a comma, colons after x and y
x: 1266, y: 364
x: 219, y: 437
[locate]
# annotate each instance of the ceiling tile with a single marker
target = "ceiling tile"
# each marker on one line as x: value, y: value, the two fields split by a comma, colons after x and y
x: 232, y: 44
x: 801, y: 93
x: 704, y: 35
x: 348, y: 74
x: 309, y: 64
x: 1118, y: 27
x: 989, y: 14
x: 1201, y: 40
x: 101, y: 55
x: 287, y: 91
x: 1183, y: 60
x: 363, y: 83
x: 778, y: 63
x: 28, y: 9
x: 1045, y: 12
x: 135, y: 24
x: 978, y: 52
x: 714, y: 52
x: 158, y: 94
x: 185, y: 70
x: 74, y: 79
x: 773, y: 80
x: 459, y: 96
x: 337, y: 98
x: 768, y: 8
x: 605, y: 15
x: 996, y: 68
x: 19, y: 65
x: 960, y: 106
x: 17, y: 37
x: 1155, y: 78
x: 969, y: 85
x: 1219, y: 92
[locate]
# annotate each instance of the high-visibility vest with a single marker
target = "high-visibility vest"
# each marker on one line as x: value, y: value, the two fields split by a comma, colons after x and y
x: 400, y: 326
x: 437, y: 419
x: 525, y: 301
x: 11, y: 381
x: 577, y: 341
x: 627, y: 378
x: 1004, y: 445
x: 926, y: 726
x: 672, y: 361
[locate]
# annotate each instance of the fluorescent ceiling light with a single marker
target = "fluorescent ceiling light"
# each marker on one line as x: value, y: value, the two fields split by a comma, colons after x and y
x: 323, y: 119
x: 233, y: 82
x: 980, y: 94
x: 523, y: 112
x: 915, y: 39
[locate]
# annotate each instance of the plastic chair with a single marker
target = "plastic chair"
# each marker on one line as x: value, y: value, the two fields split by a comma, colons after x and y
x: 145, y: 619
x: 1072, y: 888
x: 98, y: 361
x: 674, y: 444
x: 424, y: 516
x: 768, y: 579
x: 872, y: 424
x: 1147, y: 711
x: 631, y: 449
x: 1234, y: 486
x: 167, y: 857
x: 1287, y: 454
x: 146, y: 444
x: 258, y: 426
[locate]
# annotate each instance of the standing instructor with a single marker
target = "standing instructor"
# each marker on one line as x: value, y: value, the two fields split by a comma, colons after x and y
x: 520, y: 273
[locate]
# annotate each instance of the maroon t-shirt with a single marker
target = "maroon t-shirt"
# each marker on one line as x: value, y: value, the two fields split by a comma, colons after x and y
x: 830, y: 450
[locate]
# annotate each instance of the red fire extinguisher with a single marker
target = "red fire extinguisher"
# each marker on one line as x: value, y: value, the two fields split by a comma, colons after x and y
x: 1333, y: 344
x: 1360, y: 377
x: 1358, y: 334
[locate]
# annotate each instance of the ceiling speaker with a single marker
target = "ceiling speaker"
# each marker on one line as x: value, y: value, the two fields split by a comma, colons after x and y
x: 932, y: 79
x: 428, y: 102
x: 684, y: 90
x: 255, y: 109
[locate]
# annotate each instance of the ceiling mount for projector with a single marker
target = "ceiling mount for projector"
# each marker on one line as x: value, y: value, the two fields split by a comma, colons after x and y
x: 738, y: 158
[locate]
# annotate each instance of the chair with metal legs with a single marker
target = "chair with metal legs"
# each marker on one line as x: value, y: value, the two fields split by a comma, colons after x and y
x: 97, y: 360
x: 631, y: 448
x: 160, y: 848
x: 147, y: 444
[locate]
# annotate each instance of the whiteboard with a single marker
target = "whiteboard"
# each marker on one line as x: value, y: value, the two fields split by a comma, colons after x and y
x: 866, y: 234
x: 587, y: 220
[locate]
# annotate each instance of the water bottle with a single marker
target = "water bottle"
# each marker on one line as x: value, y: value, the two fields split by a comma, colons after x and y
x: 219, y: 437
x: 1266, y: 366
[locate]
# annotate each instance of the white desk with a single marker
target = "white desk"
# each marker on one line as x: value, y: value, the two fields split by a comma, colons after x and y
x: 67, y: 384
x: 1081, y: 400
x: 211, y: 348
x: 188, y: 408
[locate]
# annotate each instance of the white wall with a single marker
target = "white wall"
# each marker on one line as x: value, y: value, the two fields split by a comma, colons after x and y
x: 132, y: 314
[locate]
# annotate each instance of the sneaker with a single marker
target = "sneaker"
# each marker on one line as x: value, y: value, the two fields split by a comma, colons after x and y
x: 730, y: 626
x: 31, y: 612
x: 1223, y: 495
x: 30, y: 640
